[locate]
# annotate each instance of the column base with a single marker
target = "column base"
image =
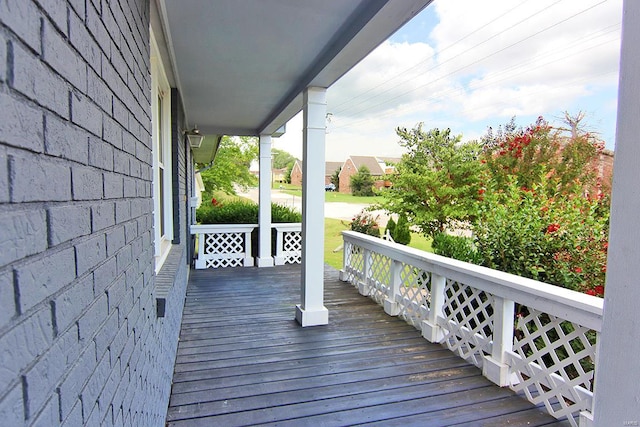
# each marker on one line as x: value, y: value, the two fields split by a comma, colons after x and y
x: 265, y: 262
x: 586, y: 419
x: 312, y: 318
x: 364, y: 289
x: 431, y: 332
x: 392, y: 308
x: 495, y: 371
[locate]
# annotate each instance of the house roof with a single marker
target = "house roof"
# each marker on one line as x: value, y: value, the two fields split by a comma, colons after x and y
x: 372, y: 163
x: 241, y: 66
x: 390, y: 160
x: 331, y: 167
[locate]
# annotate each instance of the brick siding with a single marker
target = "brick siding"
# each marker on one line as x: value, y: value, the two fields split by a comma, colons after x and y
x: 80, y: 342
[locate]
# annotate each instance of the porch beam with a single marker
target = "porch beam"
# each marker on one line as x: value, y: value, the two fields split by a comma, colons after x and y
x: 311, y: 311
x: 264, y: 210
x: 616, y: 385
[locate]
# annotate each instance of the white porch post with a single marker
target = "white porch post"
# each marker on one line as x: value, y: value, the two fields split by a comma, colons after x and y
x: 311, y: 311
x: 264, y: 216
x: 617, y: 392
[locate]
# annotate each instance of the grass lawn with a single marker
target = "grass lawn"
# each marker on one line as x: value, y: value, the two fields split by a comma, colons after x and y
x: 332, y: 196
x: 333, y: 240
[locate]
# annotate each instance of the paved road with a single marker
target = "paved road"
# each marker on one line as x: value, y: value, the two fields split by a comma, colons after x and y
x: 337, y: 210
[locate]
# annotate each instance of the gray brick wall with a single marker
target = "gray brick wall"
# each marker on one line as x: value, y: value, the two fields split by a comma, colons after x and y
x: 80, y: 342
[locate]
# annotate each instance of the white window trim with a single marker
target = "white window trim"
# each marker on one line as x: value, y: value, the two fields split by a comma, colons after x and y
x: 160, y: 89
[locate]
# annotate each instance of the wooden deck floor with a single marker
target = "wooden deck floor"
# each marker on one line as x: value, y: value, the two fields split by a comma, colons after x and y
x: 243, y: 360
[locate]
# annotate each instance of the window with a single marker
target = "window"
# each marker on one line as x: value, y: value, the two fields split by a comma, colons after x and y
x: 161, y: 148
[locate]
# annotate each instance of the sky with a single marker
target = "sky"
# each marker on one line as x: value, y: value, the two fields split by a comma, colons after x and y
x: 467, y: 65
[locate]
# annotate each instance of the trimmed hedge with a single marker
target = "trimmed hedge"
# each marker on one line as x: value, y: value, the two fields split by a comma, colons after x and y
x: 457, y: 247
x: 241, y: 212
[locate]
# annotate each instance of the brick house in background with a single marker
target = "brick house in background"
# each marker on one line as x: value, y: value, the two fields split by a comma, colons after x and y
x: 329, y: 169
x: 296, y: 173
x: 378, y: 167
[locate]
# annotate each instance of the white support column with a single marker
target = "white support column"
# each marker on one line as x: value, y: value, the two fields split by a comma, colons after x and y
x: 494, y: 366
x: 391, y: 307
x: 264, y: 217
x: 311, y: 311
x: 431, y: 330
x: 364, y: 286
x: 617, y: 369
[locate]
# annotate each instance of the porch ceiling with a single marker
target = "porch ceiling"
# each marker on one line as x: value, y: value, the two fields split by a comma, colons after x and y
x: 241, y: 65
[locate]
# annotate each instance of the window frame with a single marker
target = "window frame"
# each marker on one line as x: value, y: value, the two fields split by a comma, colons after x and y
x: 162, y: 167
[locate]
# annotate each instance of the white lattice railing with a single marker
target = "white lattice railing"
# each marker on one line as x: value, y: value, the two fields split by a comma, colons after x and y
x: 536, y: 338
x: 229, y: 245
x: 288, y: 243
x: 223, y: 245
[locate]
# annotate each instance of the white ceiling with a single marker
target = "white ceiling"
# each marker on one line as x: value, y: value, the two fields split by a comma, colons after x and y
x: 241, y: 65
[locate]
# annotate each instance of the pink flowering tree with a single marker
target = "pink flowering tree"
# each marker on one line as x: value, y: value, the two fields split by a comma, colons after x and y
x: 542, y: 213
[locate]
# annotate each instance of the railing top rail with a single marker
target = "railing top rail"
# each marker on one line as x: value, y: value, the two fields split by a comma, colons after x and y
x: 212, y: 228
x: 287, y: 226
x: 570, y: 305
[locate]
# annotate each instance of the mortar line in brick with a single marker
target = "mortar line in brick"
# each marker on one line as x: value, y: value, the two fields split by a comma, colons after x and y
x: 16, y: 294
x: 42, y: 43
x: 68, y: 24
x: 59, y: 404
x: 25, y: 397
x: 9, y: 59
x: 70, y: 108
x: 54, y: 322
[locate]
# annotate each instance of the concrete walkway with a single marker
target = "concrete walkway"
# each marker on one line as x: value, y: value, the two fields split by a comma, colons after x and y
x: 337, y: 210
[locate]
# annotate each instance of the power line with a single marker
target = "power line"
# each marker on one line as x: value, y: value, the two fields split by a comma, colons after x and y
x: 493, y: 81
x: 430, y: 57
x: 453, y: 57
x: 481, y: 59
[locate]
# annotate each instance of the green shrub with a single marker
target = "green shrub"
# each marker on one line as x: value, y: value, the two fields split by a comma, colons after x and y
x: 281, y: 213
x: 365, y: 223
x: 242, y: 212
x: 556, y: 239
x: 362, y: 183
x: 402, y: 234
x: 456, y: 247
x: 391, y: 228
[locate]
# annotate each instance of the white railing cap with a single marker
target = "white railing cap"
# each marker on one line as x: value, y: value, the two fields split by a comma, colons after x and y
x: 217, y: 228
x: 574, y: 306
x: 287, y: 226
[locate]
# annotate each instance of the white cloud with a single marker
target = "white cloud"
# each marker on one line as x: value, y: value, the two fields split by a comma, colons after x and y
x: 481, y: 64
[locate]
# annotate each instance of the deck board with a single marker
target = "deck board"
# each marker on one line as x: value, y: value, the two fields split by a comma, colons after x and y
x: 243, y: 360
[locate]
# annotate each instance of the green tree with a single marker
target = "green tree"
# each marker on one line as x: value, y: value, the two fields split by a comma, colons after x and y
x: 335, y: 178
x: 402, y: 233
x: 391, y: 227
x: 437, y: 181
x: 287, y: 175
x: 543, y: 213
x: 567, y: 163
x: 282, y: 159
x: 362, y: 182
x: 231, y: 166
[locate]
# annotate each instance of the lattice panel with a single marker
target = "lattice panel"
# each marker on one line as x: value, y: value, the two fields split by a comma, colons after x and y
x: 292, y: 245
x: 224, y: 262
x: 414, y: 294
x: 354, y: 267
x: 469, y: 321
x: 554, y: 363
x: 223, y: 243
x: 379, y: 277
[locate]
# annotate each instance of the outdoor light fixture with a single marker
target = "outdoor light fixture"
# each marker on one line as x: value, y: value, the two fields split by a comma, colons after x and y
x: 195, y: 137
